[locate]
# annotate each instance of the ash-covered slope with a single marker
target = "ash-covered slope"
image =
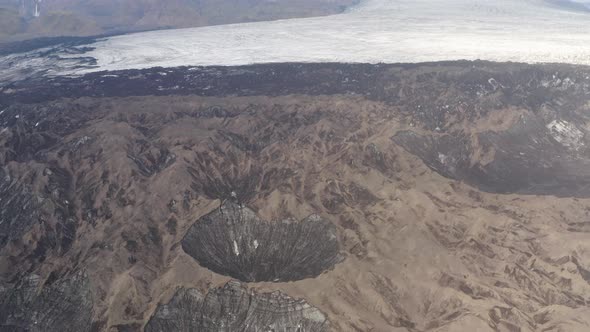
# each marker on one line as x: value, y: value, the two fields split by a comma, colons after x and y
x: 31, y: 304
x: 234, y: 308
x: 456, y: 192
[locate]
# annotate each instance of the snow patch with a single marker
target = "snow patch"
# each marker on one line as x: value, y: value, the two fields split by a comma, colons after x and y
x: 495, y: 85
x: 567, y: 134
x: 236, y: 249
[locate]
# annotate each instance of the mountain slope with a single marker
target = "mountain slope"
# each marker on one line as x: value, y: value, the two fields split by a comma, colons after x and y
x: 94, y: 17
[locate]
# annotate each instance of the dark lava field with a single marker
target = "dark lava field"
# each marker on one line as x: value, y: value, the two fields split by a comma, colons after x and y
x: 439, y: 197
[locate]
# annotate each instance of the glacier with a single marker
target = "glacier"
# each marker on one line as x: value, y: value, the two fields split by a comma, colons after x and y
x: 388, y: 31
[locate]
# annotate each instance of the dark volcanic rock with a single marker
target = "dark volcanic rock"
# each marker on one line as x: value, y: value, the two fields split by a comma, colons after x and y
x: 533, y: 156
x: 233, y: 241
x: 18, y: 208
x: 65, y: 305
x: 233, y: 308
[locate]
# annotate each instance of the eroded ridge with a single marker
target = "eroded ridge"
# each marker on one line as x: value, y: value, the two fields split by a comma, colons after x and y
x: 235, y: 308
x: 233, y: 241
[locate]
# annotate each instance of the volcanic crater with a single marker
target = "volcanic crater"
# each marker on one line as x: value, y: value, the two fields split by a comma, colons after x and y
x: 234, y: 307
x: 234, y: 241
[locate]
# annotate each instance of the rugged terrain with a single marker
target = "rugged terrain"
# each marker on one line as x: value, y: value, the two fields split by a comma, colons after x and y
x: 429, y: 197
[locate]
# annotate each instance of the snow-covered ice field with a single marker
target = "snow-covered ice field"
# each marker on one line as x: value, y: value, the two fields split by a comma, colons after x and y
x: 375, y: 31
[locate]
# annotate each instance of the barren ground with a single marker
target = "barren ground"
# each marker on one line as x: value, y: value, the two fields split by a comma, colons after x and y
x: 451, y: 213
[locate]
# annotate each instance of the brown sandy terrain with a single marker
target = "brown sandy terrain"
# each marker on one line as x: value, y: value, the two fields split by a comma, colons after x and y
x: 110, y: 187
x: 423, y: 252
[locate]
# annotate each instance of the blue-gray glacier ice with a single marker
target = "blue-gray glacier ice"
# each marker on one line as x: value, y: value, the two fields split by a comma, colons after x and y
x: 375, y: 31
